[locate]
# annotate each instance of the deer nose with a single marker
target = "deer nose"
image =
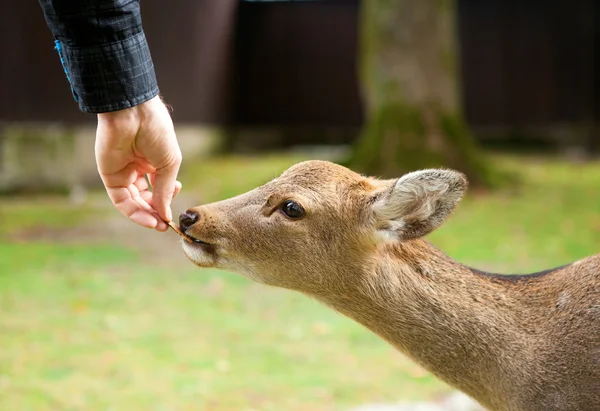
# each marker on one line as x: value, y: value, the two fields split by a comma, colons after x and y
x: 187, y: 219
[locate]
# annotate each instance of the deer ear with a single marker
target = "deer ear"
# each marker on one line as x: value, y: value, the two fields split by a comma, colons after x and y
x: 418, y: 203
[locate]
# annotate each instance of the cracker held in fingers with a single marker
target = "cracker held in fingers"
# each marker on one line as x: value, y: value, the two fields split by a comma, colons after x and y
x: 176, y: 228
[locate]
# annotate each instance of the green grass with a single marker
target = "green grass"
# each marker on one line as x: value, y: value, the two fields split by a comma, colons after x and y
x: 551, y: 219
x: 225, y: 177
x: 100, y: 327
x: 39, y: 213
x: 81, y: 333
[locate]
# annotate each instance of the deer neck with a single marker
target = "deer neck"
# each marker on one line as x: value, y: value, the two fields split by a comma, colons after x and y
x: 457, y: 324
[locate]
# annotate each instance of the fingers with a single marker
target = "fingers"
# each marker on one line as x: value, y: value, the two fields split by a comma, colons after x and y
x: 166, y: 187
x: 177, y: 188
x: 140, y: 198
x: 129, y: 193
x: 132, y: 206
x: 146, y: 195
x: 122, y: 189
x: 141, y: 183
x: 144, y: 219
x: 178, y: 184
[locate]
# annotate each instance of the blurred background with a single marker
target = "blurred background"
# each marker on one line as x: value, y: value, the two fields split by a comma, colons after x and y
x: 99, y: 314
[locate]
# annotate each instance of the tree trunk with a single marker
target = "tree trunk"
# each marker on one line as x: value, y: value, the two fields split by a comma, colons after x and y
x: 409, y: 81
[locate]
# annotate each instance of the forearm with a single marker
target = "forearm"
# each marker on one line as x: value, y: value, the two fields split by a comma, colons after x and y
x: 104, y: 52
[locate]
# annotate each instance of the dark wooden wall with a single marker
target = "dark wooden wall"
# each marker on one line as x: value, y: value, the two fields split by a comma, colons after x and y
x: 191, y: 42
x: 533, y: 62
x: 297, y: 64
x: 32, y: 84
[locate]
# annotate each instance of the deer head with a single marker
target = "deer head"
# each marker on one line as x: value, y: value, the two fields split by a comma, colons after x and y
x: 318, y: 222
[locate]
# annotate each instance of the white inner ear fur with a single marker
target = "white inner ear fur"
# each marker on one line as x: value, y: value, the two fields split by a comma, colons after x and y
x: 418, y: 202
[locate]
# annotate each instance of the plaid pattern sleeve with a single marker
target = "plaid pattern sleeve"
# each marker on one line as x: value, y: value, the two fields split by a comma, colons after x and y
x: 104, y: 52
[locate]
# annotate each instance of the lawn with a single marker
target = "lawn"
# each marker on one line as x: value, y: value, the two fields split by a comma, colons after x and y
x: 94, y: 321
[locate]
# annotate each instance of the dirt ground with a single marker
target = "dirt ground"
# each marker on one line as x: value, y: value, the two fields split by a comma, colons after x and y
x: 112, y: 227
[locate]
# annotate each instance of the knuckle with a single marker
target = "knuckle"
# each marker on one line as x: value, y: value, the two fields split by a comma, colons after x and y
x: 177, y: 158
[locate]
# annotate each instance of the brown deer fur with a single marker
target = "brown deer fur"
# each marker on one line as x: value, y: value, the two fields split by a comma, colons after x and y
x: 513, y: 343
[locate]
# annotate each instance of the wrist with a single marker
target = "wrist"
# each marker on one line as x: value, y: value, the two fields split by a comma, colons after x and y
x: 132, y: 114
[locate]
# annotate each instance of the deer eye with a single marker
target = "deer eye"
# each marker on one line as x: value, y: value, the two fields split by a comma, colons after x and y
x: 292, y: 209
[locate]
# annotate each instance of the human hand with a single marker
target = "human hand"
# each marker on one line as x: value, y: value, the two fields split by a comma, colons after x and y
x: 131, y: 143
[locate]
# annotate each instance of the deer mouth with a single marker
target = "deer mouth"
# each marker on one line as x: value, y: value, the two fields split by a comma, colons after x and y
x: 200, y: 252
x: 186, y: 237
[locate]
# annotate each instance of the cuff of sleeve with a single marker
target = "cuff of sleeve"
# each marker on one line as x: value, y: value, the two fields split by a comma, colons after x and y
x: 110, y: 77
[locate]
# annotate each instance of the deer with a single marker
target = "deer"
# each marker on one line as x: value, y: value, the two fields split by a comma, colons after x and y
x: 356, y: 244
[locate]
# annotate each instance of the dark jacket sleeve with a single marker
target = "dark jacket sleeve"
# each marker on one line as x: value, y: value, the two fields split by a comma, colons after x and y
x: 103, y: 50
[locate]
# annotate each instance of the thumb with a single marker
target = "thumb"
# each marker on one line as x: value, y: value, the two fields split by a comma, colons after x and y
x: 164, y: 182
x: 157, y: 142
